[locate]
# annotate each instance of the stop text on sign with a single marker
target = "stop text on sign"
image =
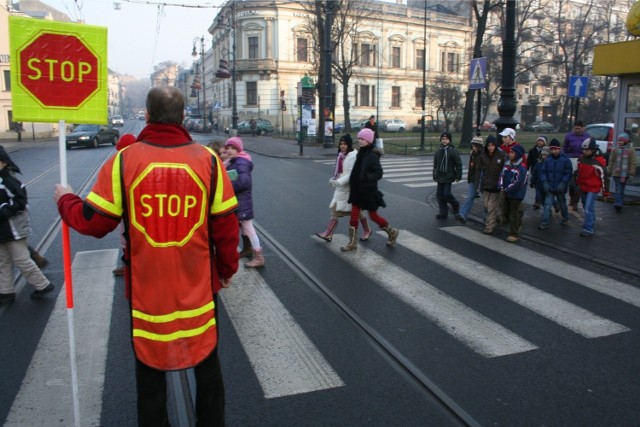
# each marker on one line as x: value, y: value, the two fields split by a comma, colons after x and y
x: 67, y: 70
x: 167, y: 204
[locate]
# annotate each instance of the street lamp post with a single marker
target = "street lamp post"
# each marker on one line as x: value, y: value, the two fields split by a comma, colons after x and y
x: 194, y: 53
x: 424, y: 79
x: 507, y: 103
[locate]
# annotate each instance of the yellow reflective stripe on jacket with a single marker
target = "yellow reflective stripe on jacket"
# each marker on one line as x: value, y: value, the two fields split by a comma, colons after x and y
x: 163, y: 318
x: 223, y: 189
x: 174, y: 335
x: 108, y: 207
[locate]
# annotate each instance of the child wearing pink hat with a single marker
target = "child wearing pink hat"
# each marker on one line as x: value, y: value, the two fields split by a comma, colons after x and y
x: 239, y: 169
x: 364, y: 195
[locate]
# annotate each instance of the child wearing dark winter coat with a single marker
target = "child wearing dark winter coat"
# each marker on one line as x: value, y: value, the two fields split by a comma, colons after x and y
x: 590, y: 180
x: 513, y: 184
x: 555, y: 176
x: 447, y: 168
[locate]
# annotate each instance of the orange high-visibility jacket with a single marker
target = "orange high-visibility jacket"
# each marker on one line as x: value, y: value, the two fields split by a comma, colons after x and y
x: 167, y: 203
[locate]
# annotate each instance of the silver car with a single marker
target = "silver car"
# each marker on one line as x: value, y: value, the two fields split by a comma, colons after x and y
x: 394, y: 125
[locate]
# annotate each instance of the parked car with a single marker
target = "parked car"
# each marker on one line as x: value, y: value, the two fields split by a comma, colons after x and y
x: 92, y: 136
x: 202, y: 126
x: 140, y: 115
x: 340, y: 127
x: 394, y: 125
x: 603, y: 134
x: 263, y: 127
x: 540, y: 127
x: 117, y: 121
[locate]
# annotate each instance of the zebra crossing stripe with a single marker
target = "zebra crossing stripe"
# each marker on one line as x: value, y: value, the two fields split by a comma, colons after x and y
x: 562, y: 312
x: 476, y: 331
x: 412, y: 179
x: 283, y: 358
x: 589, y: 279
x: 45, y: 394
x: 407, y: 169
x: 400, y: 175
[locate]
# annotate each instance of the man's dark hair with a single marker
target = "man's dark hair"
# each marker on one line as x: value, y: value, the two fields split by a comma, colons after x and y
x: 578, y: 123
x: 165, y: 105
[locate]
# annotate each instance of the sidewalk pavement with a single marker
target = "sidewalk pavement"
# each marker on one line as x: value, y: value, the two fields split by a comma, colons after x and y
x: 616, y: 242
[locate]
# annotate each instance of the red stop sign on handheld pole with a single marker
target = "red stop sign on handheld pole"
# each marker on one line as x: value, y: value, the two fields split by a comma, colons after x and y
x: 59, y: 70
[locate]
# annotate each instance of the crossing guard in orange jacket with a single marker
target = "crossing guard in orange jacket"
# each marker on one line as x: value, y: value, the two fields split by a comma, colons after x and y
x: 175, y: 199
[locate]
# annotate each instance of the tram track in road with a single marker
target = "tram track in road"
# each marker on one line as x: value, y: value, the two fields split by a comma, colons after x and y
x: 419, y: 379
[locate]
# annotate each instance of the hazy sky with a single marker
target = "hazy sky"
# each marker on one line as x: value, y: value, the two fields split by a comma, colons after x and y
x: 139, y: 36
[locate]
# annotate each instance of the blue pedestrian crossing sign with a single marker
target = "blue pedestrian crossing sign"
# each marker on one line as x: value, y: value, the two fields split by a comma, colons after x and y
x: 217, y: 105
x: 478, y: 73
x: 578, y: 86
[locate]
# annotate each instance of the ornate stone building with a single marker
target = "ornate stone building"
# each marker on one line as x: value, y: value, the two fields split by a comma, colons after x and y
x: 274, y: 49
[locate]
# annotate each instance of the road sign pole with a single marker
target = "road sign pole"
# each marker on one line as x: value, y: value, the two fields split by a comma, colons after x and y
x: 68, y: 276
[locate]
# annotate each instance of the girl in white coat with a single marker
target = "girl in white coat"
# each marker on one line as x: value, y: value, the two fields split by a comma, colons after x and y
x: 339, y: 205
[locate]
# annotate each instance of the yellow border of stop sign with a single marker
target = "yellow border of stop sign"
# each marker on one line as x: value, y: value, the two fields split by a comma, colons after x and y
x: 26, y: 107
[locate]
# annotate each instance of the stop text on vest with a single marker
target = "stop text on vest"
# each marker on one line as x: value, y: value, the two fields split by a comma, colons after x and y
x: 167, y: 204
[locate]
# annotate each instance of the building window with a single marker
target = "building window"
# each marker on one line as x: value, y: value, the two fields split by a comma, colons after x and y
x: 365, y: 96
x: 450, y: 62
x: 302, y: 50
x: 368, y: 55
x: 418, y: 96
x: 395, y: 57
x: 395, y: 96
x: 420, y: 59
x: 253, y: 48
x: 252, y: 93
x: 7, y: 80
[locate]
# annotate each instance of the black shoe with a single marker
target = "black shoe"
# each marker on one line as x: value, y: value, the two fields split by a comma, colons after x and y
x: 441, y: 216
x: 543, y: 226
x: 461, y: 219
x: 7, y: 298
x: 38, y: 294
x: 618, y: 208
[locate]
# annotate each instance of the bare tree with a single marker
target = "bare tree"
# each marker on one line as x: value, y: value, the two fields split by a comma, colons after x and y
x: 446, y: 96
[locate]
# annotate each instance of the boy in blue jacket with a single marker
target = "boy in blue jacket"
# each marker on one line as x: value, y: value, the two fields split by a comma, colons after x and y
x: 513, y: 184
x: 555, y: 176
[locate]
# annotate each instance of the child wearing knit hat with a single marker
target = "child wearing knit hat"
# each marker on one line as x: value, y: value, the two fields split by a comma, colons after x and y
x: 447, y: 169
x: 513, y: 183
x: 364, y: 194
x: 622, y: 167
x: 240, y: 166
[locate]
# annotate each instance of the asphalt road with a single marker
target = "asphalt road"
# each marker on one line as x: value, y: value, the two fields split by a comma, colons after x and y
x: 448, y: 327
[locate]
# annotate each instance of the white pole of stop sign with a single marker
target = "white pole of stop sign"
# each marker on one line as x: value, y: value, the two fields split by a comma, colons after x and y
x: 66, y: 257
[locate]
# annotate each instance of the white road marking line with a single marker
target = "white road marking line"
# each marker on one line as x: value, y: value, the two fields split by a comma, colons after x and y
x: 562, y: 312
x: 400, y: 175
x: 476, y: 331
x: 415, y: 178
x: 422, y: 185
x: 591, y: 280
x: 394, y: 170
x: 283, y: 358
x: 45, y: 397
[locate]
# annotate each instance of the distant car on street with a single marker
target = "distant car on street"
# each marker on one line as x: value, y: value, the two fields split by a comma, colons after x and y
x: 202, y: 126
x: 117, y: 121
x: 540, y: 127
x: 393, y: 125
x: 263, y: 127
x: 603, y: 134
x: 92, y: 136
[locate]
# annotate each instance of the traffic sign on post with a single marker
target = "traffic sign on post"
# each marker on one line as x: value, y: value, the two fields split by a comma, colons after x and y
x: 60, y: 70
x: 477, y: 73
x: 578, y: 86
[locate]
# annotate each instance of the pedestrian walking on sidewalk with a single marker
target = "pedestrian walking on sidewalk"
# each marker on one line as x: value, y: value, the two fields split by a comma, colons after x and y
x: 364, y: 194
x: 572, y: 147
x: 490, y: 164
x: 340, y: 205
x: 590, y: 180
x: 239, y: 170
x: 534, y: 158
x: 555, y: 174
x: 622, y: 167
x: 179, y: 260
x: 513, y: 183
x: 15, y: 227
x: 447, y: 169
x: 472, y: 191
